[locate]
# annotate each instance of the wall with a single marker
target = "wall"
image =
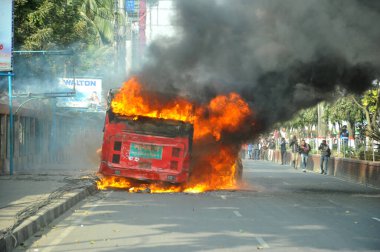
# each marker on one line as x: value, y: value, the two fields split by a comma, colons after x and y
x: 359, y: 171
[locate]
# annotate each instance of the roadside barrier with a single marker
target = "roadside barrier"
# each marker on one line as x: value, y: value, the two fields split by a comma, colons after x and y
x: 364, y: 172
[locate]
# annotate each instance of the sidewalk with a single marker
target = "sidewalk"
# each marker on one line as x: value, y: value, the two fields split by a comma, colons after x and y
x: 29, y: 202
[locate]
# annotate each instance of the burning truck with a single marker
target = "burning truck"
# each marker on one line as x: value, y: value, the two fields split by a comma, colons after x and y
x: 146, y: 148
x: 169, y: 143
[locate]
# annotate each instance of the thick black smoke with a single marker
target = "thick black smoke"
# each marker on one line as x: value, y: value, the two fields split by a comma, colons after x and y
x: 280, y: 55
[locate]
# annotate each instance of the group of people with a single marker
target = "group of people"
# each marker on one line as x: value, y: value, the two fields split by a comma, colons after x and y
x: 263, y: 149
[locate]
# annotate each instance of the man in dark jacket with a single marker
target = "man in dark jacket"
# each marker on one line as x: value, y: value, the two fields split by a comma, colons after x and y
x: 283, y: 150
x: 325, y: 156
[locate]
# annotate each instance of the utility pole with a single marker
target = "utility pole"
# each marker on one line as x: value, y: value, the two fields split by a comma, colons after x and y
x: 116, y: 35
x: 321, y: 122
x: 123, y: 39
x: 119, y: 38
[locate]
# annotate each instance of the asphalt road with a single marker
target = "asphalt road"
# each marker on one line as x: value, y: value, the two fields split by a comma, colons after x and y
x: 283, y: 210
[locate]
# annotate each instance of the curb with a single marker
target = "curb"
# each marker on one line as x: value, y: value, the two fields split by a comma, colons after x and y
x: 43, y: 218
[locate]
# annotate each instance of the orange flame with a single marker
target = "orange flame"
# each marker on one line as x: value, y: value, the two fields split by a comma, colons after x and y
x: 226, y: 113
x: 215, y: 164
x: 130, y: 101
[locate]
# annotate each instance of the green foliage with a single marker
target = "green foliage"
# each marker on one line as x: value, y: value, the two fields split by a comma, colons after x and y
x: 305, y: 117
x: 343, y: 110
x: 369, y: 100
x: 84, y: 26
x: 53, y: 24
x: 99, y: 15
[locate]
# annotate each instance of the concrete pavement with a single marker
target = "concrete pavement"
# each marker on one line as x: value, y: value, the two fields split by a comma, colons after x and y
x: 30, y: 200
x: 282, y: 210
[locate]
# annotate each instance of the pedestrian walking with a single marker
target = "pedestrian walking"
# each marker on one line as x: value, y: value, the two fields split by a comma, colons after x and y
x: 295, y: 148
x: 283, y: 150
x: 304, y: 150
x: 325, y: 156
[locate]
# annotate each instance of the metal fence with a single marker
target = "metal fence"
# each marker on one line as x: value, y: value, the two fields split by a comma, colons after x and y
x: 49, y: 138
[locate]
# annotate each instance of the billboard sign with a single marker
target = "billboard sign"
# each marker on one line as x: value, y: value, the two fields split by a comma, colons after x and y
x: 6, y: 35
x: 88, y: 93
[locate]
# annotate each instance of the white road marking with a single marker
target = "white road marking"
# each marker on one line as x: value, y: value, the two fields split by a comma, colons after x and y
x: 333, y: 202
x: 285, y: 183
x: 223, y: 196
x: 263, y: 244
x: 376, y: 218
x: 237, y: 213
x: 69, y: 229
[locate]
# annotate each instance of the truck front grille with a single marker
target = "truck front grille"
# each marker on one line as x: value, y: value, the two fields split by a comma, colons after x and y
x: 145, y: 165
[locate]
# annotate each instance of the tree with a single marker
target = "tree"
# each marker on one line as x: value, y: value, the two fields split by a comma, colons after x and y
x: 369, y: 102
x: 50, y: 24
x: 305, y: 118
x: 100, y: 16
x: 344, y: 110
x: 82, y: 26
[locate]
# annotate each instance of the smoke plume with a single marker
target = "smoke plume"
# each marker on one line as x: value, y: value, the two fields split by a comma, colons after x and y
x: 281, y: 56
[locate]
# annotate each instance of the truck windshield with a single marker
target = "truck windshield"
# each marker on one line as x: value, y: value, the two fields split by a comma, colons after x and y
x: 152, y: 126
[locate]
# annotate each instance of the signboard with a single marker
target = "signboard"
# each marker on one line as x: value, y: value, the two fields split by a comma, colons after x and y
x: 145, y: 151
x: 5, y: 35
x: 88, y: 93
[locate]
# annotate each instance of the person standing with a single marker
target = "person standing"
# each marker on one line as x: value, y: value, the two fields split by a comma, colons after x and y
x: 271, y: 147
x: 249, y: 152
x: 344, y: 136
x: 294, y: 147
x: 256, y: 150
x: 325, y: 156
x: 304, y: 150
x: 283, y: 150
x: 264, y: 149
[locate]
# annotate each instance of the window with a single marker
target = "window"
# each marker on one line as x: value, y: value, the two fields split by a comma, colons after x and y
x: 117, y: 146
x: 173, y: 165
x: 175, y: 152
x: 115, y: 158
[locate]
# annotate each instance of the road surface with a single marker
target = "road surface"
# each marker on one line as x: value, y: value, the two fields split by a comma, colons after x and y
x: 284, y: 210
